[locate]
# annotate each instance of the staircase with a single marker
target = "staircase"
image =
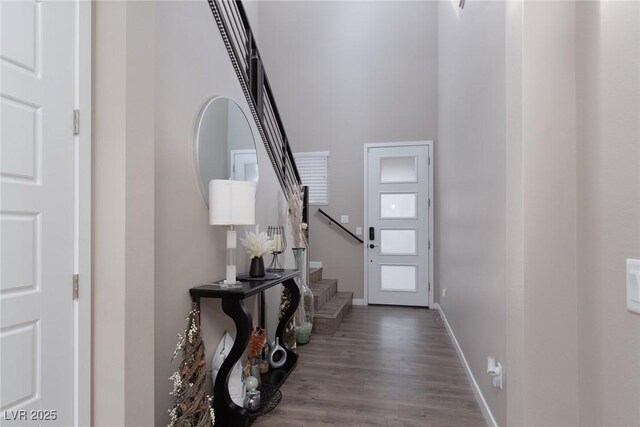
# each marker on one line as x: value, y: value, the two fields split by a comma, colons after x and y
x: 330, y: 306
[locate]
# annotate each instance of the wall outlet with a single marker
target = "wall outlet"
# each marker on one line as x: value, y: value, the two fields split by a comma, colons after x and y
x: 633, y: 285
x: 358, y: 231
x: 444, y: 292
x: 344, y: 219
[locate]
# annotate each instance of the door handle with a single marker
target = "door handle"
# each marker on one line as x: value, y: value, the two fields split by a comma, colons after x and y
x: 372, y: 233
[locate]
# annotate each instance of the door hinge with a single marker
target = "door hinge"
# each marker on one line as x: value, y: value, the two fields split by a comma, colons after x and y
x: 429, y: 202
x: 429, y: 286
x: 429, y: 160
x: 76, y: 286
x: 429, y: 244
x: 76, y: 122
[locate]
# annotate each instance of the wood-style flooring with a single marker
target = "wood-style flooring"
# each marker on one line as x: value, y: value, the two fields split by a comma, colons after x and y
x: 385, y: 366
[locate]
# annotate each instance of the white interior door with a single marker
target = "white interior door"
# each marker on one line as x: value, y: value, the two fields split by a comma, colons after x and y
x: 244, y: 165
x: 398, y: 211
x: 37, y: 211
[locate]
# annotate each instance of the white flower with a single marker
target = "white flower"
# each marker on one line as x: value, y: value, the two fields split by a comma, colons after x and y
x: 193, y: 331
x: 211, y: 412
x: 258, y: 243
x: 179, y: 346
x: 177, y: 383
x: 173, y: 415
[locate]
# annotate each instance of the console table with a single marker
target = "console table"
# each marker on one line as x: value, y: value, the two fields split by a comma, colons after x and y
x: 227, y: 412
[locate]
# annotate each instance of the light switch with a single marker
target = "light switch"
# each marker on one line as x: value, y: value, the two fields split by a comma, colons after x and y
x: 344, y: 219
x: 633, y: 285
x: 358, y: 231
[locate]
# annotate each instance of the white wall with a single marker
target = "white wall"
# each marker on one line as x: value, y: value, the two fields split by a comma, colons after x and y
x: 344, y: 74
x: 608, y: 64
x: 471, y: 184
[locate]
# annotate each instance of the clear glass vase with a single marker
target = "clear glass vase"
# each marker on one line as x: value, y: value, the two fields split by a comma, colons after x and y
x: 304, y: 314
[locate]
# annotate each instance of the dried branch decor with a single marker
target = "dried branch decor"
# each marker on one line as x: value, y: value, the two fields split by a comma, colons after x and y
x: 298, y: 227
x: 192, y: 405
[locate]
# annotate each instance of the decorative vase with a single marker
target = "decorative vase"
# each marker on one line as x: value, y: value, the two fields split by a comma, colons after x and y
x: 255, y: 369
x: 278, y: 355
x: 257, y: 267
x: 304, y: 314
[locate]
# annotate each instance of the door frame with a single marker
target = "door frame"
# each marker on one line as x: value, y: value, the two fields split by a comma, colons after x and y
x: 430, y: 166
x: 82, y: 365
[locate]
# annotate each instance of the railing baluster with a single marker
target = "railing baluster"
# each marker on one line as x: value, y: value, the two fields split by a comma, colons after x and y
x: 235, y: 29
x: 236, y: 33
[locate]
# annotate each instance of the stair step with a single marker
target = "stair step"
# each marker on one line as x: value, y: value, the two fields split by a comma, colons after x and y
x: 329, y: 317
x: 315, y: 275
x: 323, y: 291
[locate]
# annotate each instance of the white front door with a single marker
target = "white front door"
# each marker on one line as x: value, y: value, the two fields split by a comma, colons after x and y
x: 398, y: 218
x: 37, y: 212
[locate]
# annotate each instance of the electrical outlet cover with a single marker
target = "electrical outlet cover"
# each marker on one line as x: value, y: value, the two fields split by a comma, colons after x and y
x: 633, y: 285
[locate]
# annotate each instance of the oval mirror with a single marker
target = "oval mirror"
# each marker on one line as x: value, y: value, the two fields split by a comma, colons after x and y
x: 224, y: 144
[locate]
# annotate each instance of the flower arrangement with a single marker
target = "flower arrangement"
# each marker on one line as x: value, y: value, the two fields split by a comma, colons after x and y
x: 258, y: 244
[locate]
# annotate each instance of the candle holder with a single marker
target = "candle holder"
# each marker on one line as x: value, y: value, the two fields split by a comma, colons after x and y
x: 276, y: 232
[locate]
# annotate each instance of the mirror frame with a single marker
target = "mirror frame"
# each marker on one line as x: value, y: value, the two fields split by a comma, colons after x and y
x: 196, y: 142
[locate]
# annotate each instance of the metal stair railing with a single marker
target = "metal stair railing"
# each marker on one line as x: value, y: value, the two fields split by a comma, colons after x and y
x: 233, y: 23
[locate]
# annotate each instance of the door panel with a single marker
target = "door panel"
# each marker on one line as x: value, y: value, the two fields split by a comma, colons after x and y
x: 244, y: 165
x: 37, y: 179
x: 398, y: 210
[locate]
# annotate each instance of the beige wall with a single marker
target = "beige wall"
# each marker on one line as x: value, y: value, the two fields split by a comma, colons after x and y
x: 608, y: 63
x: 546, y: 179
x: 549, y: 201
x: 152, y: 241
x: 575, y: 153
x: 471, y: 182
x: 123, y: 214
x: 345, y: 74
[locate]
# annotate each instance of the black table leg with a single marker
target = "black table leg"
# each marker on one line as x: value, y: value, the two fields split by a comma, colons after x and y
x: 227, y: 412
x: 292, y: 356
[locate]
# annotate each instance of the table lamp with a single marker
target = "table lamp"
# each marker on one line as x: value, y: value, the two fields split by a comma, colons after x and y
x: 231, y: 203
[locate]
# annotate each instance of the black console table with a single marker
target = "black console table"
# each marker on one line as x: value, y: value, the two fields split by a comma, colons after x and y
x: 227, y: 412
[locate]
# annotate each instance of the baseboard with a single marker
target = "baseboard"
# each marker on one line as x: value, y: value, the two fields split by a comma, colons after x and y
x: 486, y: 412
x: 358, y: 301
x: 315, y: 264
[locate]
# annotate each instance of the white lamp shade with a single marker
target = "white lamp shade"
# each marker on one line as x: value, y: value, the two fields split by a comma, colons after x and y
x: 232, y: 202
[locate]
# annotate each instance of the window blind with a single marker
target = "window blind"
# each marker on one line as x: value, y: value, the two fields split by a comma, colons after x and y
x: 314, y: 173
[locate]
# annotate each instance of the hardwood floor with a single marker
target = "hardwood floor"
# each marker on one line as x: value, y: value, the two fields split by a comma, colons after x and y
x: 384, y: 366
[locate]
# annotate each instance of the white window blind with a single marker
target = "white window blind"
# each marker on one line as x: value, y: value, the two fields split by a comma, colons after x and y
x: 314, y: 173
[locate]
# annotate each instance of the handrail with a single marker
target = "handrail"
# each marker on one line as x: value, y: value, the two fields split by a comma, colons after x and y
x: 333, y: 221
x: 233, y: 23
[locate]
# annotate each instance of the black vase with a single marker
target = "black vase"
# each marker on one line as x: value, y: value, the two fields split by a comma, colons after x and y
x: 257, y: 267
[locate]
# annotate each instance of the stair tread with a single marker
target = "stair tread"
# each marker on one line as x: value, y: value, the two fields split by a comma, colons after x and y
x: 321, y: 285
x: 332, y: 308
x: 315, y: 275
